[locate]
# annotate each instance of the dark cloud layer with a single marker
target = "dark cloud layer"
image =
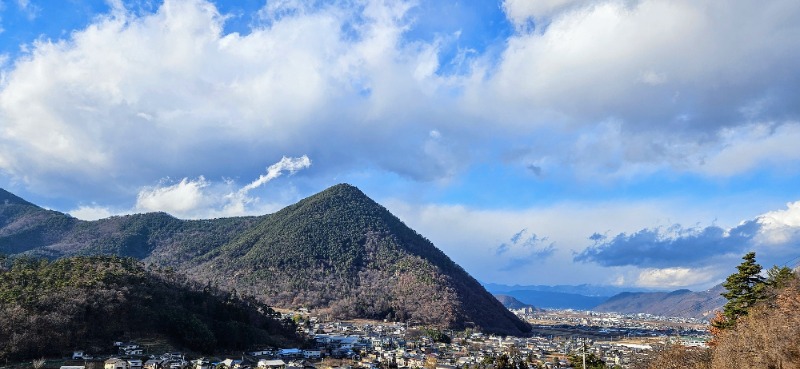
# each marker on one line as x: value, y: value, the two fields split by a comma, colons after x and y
x: 671, y: 247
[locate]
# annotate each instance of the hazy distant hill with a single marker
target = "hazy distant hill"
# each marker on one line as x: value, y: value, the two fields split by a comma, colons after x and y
x: 337, y: 251
x: 683, y: 303
x: 89, y: 302
x: 511, y: 303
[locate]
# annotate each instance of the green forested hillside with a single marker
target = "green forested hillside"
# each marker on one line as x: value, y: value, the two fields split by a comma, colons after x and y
x: 28, y: 229
x: 24, y: 226
x: 341, y: 252
x: 338, y: 252
x: 49, y: 308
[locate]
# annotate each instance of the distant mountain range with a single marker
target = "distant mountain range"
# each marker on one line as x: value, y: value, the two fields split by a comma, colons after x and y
x: 680, y: 303
x: 337, y: 252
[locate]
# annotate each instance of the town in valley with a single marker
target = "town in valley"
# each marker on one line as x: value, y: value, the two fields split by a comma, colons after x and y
x: 616, y: 339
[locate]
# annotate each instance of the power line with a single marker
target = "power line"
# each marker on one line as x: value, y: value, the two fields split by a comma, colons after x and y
x: 793, y: 259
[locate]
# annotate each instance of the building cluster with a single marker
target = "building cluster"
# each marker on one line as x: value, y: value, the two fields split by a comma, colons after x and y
x: 616, y: 339
x: 610, y: 320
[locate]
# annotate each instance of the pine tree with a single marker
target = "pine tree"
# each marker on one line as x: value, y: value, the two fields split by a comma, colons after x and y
x: 779, y: 277
x: 745, y: 288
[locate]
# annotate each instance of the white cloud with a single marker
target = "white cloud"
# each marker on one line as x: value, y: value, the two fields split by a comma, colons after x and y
x: 789, y: 217
x: 290, y: 165
x: 673, y: 277
x: 744, y: 148
x: 200, y: 198
x: 130, y: 98
x: 179, y: 199
x: 686, y: 72
x: 91, y: 212
x: 237, y: 202
x: 781, y: 228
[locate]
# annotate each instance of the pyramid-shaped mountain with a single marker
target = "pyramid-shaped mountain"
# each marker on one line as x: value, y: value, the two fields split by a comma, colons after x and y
x: 337, y: 252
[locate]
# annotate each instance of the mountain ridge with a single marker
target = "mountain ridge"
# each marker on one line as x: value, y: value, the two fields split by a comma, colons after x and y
x: 337, y: 251
x: 682, y: 303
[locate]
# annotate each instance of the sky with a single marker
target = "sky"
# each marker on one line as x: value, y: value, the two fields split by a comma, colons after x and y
x: 635, y: 143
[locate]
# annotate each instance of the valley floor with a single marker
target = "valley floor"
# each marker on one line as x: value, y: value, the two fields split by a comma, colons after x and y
x: 616, y: 339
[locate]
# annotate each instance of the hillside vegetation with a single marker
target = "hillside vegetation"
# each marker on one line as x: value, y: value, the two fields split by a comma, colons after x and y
x: 49, y: 308
x: 759, y: 327
x: 338, y: 252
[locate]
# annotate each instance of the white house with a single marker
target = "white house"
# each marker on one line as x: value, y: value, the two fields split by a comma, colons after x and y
x: 273, y: 364
x: 116, y: 363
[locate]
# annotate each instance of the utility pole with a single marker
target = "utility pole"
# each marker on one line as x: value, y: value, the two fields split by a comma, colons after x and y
x: 584, y: 353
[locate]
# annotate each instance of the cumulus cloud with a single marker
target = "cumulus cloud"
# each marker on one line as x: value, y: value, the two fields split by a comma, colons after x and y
x: 178, y: 199
x: 780, y: 228
x: 138, y: 94
x: 675, y: 85
x: 134, y: 96
x: 698, y: 45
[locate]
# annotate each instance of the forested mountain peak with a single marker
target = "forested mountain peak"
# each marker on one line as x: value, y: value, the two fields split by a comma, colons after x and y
x: 338, y: 252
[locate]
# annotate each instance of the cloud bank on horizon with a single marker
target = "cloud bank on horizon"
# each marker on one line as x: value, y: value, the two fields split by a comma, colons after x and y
x: 646, y: 142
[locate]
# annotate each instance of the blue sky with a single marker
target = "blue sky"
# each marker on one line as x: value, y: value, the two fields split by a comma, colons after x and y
x: 645, y: 143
